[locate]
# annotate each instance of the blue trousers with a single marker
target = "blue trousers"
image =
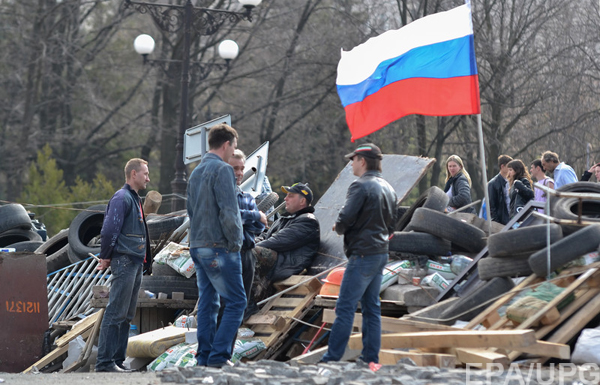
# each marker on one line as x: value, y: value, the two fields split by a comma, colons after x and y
x: 126, y: 279
x: 219, y: 276
x: 361, y: 282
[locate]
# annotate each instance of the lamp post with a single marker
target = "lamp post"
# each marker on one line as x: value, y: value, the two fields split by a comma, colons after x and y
x: 204, y: 21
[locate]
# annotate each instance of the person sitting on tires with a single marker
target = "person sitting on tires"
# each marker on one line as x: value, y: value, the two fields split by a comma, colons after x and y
x: 458, y: 185
x: 290, y: 244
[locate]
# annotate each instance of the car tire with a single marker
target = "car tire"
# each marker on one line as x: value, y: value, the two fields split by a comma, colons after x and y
x: 517, y: 266
x: 566, y: 250
x: 167, y: 285
x: 161, y: 270
x: 461, y: 234
x: 468, y: 304
x: 522, y: 239
x: 26, y: 246
x: 567, y: 208
x: 14, y: 216
x: 84, y: 228
x: 267, y: 202
x: 163, y: 224
x: 18, y: 235
x: 419, y: 243
x: 58, y: 260
x: 55, y: 243
x: 433, y: 198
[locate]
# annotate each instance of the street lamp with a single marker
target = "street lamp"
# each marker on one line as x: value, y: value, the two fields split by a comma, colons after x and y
x: 204, y: 21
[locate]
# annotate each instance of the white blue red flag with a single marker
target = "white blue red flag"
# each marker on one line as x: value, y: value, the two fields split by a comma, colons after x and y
x: 427, y: 67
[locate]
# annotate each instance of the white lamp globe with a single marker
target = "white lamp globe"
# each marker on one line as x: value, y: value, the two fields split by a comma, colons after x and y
x: 228, y: 49
x: 250, y: 3
x: 143, y: 44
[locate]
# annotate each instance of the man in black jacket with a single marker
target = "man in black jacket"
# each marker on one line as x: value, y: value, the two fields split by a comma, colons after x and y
x: 290, y: 244
x: 498, y: 192
x: 366, y: 220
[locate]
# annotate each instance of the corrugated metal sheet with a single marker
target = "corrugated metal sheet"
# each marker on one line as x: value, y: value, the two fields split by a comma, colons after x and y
x: 401, y: 171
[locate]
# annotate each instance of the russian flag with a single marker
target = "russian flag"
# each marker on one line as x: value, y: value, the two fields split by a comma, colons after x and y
x: 427, y: 67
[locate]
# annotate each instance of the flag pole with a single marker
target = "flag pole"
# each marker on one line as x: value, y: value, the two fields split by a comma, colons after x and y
x: 484, y: 172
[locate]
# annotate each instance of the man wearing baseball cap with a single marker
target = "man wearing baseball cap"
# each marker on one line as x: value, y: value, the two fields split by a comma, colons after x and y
x: 290, y: 244
x: 366, y: 220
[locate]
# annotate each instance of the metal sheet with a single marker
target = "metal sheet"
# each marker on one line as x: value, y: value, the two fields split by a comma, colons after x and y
x: 23, y: 309
x: 401, y: 171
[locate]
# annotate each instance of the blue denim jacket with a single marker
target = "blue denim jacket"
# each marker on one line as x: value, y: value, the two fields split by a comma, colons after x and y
x: 124, y: 229
x: 212, y: 206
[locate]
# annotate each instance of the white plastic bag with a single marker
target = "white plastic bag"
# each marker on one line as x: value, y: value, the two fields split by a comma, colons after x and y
x: 586, y: 348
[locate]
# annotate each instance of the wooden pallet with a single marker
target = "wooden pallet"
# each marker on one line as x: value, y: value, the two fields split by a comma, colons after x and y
x: 582, y: 282
x: 275, y: 320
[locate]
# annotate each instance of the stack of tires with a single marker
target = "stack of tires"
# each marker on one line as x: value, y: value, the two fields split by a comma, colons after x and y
x: 75, y: 243
x: 165, y: 279
x: 16, y: 229
x: 424, y: 229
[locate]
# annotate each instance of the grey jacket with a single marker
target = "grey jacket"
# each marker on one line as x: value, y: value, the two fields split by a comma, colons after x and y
x: 212, y: 206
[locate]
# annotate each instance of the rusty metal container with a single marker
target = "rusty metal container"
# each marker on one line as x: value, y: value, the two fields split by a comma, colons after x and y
x: 23, y: 310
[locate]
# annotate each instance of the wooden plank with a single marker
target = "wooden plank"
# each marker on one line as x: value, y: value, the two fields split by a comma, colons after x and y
x: 151, y: 302
x: 501, y: 301
x: 574, y: 325
x: 391, y: 357
x: 286, y: 302
x: 275, y: 321
x: 48, y: 358
x: 87, y: 350
x: 510, y: 339
x: 548, y: 349
x: 481, y: 358
x: 78, y: 329
x: 312, y: 284
x: 390, y: 324
x: 445, y: 361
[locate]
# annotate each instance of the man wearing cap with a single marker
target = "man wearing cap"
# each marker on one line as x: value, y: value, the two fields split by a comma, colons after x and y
x: 366, y: 220
x: 290, y: 244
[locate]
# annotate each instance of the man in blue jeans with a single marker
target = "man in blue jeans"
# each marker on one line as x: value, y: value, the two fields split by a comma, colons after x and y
x: 125, y: 247
x: 366, y: 220
x: 215, y: 238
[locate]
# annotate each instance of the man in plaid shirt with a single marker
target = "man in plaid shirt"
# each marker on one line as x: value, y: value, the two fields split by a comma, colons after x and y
x: 253, y: 221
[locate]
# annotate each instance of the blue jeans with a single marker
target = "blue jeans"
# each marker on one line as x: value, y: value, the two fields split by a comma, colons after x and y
x: 361, y: 282
x: 126, y: 278
x: 219, y: 275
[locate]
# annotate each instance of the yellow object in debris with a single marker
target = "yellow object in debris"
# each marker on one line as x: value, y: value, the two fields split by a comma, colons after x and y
x: 153, y: 344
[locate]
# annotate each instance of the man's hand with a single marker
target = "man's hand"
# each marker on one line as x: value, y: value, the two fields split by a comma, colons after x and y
x: 103, y: 264
x: 263, y: 218
x: 593, y: 168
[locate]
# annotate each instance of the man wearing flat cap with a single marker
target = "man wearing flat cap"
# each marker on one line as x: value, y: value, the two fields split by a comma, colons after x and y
x: 366, y: 220
x: 290, y: 244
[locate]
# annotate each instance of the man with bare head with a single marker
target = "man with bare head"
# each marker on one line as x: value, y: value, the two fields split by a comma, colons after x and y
x: 563, y: 173
x: 125, y: 247
x: 215, y: 238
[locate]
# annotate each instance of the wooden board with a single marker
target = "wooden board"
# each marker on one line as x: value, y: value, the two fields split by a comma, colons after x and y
x: 290, y: 305
x: 77, y: 330
x: 389, y: 324
x: 151, y: 302
x: 481, y: 357
x: 510, y: 339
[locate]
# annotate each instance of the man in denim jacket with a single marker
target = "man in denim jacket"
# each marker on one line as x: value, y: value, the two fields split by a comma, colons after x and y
x: 215, y: 237
x: 125, y: 248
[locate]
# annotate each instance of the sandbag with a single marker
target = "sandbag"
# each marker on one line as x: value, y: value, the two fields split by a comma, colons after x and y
x: 153, y: 344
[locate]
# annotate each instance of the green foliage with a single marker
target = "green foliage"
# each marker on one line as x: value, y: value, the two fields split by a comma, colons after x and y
x: 45, y: 186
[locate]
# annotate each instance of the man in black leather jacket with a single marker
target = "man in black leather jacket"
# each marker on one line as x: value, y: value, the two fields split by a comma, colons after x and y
x: 290, y: 244
x: 366, y: 221
x: 498, y: 192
